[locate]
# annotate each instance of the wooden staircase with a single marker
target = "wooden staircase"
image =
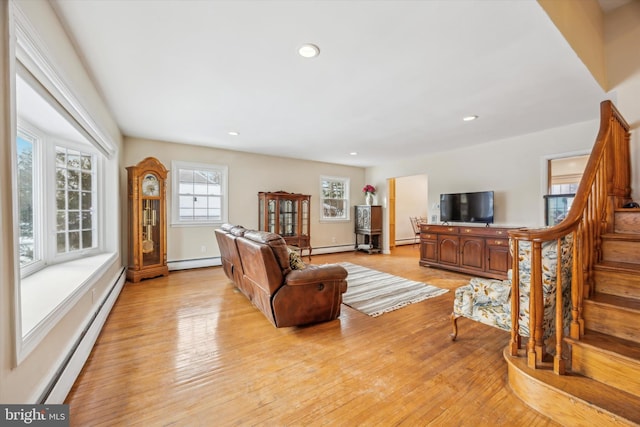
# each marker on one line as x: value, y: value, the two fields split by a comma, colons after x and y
x: 602, y: 382
x: 594, y: 377
x: 609, y: 351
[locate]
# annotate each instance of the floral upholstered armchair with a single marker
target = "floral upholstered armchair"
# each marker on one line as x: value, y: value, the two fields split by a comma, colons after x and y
x: 488, y: 301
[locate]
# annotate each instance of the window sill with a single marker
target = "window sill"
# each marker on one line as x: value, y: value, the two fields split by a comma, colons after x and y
x: 47, y: 294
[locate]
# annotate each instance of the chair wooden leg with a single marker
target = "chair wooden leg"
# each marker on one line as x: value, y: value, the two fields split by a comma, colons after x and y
x: 454, y: 323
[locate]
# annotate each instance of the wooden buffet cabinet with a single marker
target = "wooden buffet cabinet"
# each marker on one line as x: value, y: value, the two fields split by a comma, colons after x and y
x: 479, y: 251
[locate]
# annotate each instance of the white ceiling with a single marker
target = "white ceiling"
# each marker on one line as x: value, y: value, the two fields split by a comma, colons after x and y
x: 393, y: 79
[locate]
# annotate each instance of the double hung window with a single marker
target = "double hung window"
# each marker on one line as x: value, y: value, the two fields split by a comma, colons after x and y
x: 334, y: 198
x: 199, y: 193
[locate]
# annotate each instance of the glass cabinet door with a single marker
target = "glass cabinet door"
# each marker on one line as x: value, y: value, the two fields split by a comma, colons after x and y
x: 271, y: 212
x: 305, y: 218
x: 150, y: 232
x: 260, y: 213
x: 288, y: 217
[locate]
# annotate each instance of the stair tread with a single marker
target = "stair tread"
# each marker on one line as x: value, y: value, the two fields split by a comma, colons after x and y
x: 610, y: 344
x: 631, y: 237
x: 618, y: 266
x: 619, y: 301
x: 601, y: 395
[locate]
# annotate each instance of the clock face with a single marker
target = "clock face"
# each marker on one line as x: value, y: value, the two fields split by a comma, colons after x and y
x: 150, y: 185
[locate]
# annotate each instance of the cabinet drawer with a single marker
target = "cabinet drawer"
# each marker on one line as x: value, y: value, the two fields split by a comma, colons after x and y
x: 486, y: 231
x: 428, y: 236
x: 498, y: 242
x: 431, y: 228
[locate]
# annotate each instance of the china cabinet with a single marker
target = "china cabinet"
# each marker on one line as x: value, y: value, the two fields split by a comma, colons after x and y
x: 286, y: 214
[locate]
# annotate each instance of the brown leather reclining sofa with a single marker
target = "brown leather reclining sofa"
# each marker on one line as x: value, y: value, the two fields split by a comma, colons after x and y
x: 258, y: 264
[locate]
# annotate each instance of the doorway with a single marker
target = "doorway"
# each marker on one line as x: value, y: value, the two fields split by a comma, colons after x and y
x: 410, y: 196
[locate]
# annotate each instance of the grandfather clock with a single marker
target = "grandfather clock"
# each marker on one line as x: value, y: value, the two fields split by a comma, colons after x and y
x: 147, y: 220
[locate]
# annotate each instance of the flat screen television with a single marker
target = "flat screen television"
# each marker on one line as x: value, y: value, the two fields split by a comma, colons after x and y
x: 467, y: 207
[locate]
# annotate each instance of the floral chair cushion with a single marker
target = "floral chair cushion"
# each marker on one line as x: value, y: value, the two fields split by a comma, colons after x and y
x: 488, y: 301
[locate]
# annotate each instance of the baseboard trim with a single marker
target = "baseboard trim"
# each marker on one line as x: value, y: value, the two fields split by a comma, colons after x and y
x: 70, y: 369
x: 332, y: 249
x: 187, y: 264
x: 402, y: 242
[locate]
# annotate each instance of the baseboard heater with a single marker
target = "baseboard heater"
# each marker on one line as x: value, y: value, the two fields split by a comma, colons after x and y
x: 63, y: 380
x: 186, y: 264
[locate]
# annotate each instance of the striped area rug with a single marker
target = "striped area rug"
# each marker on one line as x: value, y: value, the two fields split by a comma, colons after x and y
x: 374, y: 292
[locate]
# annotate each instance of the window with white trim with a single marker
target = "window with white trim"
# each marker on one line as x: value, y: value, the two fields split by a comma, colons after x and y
x: 334, y: 198
x: 75, y: 200
x: 63, y: 227
x: 49, y: 279
x: 198, y: 193
x: 28, y: 237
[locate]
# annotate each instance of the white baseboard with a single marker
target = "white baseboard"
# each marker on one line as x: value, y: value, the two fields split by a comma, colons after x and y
x: 194, y: 263
x: 79, y: 355
x: 215, y: 261
x: 331, y: 249
x: 407, y: 242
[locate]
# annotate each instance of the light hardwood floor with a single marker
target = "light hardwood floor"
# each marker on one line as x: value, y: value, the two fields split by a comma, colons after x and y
x: 190, y: 350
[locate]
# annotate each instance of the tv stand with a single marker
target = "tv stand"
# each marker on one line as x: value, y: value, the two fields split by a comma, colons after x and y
x: 476, y: 250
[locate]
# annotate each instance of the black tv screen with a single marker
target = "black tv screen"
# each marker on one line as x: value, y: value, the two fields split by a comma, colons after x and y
x: 467, y: 207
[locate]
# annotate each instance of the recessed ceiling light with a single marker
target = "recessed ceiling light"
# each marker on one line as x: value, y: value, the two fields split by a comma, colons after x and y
x: 353, y: 153
x: 469, y: 118
x: 234, y: 133
x: 309, y: 50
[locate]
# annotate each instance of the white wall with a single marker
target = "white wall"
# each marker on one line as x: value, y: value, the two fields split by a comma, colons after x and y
x: 248, y: 175
x: 512, y: 168
x: 622, y: 38
x: 25, y: 382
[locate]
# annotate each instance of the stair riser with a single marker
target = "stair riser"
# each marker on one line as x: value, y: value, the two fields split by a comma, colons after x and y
x: 627, y: 222
x: 619, y: 372
x: 562, y: 406
x: 612, y: 320
x: 624, y: 284
x: 621, y: 251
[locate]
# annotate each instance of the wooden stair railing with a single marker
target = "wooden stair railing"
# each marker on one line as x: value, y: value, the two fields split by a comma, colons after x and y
x: 605, y: 186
